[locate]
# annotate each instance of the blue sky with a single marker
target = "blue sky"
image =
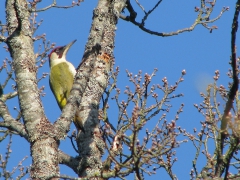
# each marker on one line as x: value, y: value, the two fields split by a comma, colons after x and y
x: 199, y: 52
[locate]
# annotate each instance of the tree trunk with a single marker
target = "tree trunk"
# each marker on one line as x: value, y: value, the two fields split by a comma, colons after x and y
x: 43, y: 146
x: 101, y: 45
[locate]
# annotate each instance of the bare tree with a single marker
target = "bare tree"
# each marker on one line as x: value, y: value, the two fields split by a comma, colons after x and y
x: 221, y: 127
x: 95, y: 80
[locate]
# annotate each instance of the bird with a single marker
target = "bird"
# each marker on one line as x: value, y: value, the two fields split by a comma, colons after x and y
x: 61, y: 77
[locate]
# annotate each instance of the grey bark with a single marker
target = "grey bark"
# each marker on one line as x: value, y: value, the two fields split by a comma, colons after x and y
x: 90, y: 143
x: 43, y: 145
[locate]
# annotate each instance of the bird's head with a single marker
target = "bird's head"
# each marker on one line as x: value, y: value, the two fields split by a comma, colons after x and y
x: 59, y: 53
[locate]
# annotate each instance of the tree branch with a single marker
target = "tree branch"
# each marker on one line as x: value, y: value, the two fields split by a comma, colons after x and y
x: 5, y: 97
x: 3, y: 39
x: 68, y: 161
x: 231, y: 96
x: 54, y: 5
x: 10, y: 123
x: 199, y: 20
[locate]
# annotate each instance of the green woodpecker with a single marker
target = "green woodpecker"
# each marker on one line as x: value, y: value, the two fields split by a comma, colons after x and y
x: 61, y: 77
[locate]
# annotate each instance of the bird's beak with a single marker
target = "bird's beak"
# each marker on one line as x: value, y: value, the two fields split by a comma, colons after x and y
x: 67, y: 47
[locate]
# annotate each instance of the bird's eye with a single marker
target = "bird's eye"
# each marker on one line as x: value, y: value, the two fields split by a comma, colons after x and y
x: 57, y: 51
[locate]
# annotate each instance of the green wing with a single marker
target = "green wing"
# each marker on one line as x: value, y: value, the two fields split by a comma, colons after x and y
x: 61, y: 81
